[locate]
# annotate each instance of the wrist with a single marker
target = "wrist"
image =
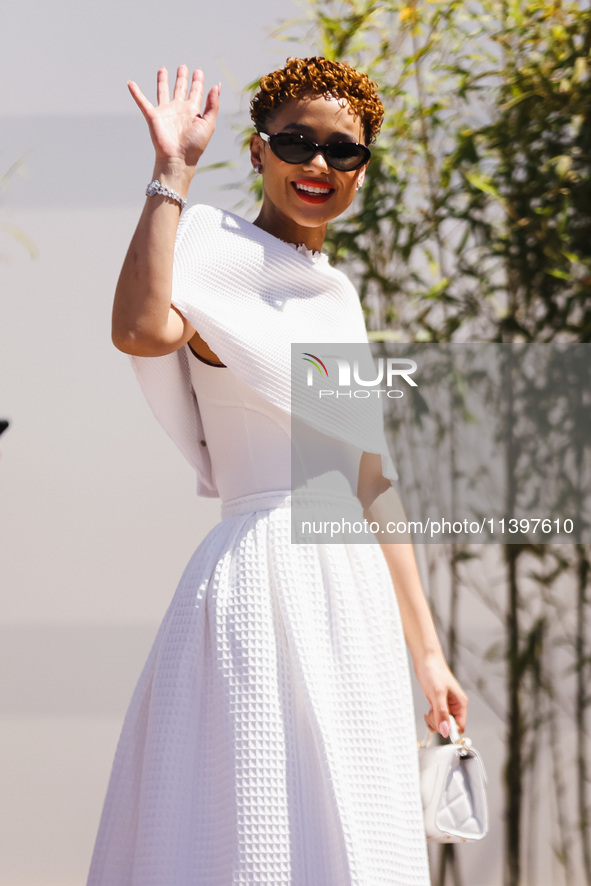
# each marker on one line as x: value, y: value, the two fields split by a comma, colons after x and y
x: 176, y: 176
x: 428, y: 658
x: 157, y: 189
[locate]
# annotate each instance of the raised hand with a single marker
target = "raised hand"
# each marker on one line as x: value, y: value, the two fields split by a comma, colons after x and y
x: 179, y: 132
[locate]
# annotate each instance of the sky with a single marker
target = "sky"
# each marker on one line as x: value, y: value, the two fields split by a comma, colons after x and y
x: 98, y: 510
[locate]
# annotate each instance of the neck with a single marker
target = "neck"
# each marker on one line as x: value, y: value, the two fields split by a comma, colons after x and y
x: 285, y: 228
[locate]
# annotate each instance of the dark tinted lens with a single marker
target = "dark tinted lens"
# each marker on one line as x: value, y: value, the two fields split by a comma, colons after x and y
x: 292, y: 148
x: 346, y: 155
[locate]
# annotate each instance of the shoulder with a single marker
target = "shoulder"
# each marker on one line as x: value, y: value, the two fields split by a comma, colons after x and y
x: 209, y: 235
x: 198, y: 217
x: 204, y: 219
x: 343, y: 281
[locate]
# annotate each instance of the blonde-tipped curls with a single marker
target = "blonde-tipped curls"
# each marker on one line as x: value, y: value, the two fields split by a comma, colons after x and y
x: 319, y: 76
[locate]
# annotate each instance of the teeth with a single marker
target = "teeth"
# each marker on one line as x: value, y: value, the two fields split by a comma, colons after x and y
x: 311, y: 190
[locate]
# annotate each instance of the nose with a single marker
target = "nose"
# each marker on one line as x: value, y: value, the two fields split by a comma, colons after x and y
x: 318, y: 161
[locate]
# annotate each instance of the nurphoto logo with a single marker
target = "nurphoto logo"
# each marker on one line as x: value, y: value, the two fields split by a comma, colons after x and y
x: 346, y: 373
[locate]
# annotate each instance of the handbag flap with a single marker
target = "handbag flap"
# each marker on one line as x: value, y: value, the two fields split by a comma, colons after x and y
x: 462, y: 810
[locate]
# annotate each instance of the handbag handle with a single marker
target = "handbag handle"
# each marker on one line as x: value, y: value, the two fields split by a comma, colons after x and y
x: 454, y: 736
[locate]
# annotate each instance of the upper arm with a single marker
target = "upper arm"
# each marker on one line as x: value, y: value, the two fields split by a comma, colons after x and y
x: 177, y: 332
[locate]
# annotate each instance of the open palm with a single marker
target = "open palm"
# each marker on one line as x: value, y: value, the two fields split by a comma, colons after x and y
x: 179, y: 132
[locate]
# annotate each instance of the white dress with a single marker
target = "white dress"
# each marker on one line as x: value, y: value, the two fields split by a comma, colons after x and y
x: 270, y: 740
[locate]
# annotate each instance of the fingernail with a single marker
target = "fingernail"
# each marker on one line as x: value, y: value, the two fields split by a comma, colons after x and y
x: 444, y: 728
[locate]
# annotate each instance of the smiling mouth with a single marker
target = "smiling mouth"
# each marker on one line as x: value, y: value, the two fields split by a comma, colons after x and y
x: 311, y: 192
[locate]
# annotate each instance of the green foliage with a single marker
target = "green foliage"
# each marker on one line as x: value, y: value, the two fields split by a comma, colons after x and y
x: 532, y: 161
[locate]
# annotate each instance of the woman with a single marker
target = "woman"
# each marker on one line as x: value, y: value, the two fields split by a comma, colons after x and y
x: 270, y: 739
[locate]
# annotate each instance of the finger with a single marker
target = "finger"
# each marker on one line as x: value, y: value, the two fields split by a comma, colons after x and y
x: 430, y: 724
x: 139, y: 98
x: 196, y: 91
x: 212, y: 103
x: 438, y: 724
x: 180, y: 86
x: 441, y: 714
x: 430, y: 720
x: 162, y: 91
x: 458, y: 706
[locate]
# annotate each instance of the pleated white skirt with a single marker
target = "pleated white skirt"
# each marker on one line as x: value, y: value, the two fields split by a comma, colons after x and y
x: 270, y: 740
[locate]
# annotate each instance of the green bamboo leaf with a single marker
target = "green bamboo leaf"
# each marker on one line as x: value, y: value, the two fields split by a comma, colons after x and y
x: 519, y: 99
x: 581, y: 71
x: 21, y: 237
x: 572, y: 257
x: 563, y: 165
x: 220, y: 164
x: 438, y: 289
x: 558, y: 273
x: 483, y: 183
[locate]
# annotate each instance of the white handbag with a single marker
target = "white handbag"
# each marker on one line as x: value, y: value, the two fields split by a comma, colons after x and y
x: 453, y: 790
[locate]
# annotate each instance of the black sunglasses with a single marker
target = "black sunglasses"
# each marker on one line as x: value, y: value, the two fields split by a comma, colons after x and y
x: 293, y: 148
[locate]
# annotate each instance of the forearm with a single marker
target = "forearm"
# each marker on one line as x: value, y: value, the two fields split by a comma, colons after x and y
x: 419, y: 629
x: 381, y: 505
x: 417, y: 621
x: 142, y: 319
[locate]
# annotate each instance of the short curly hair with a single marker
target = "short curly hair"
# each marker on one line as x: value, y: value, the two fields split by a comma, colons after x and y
x: 319, y: 76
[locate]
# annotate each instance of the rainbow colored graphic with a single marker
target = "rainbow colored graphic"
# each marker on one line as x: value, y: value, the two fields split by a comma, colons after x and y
x: 317, y: 362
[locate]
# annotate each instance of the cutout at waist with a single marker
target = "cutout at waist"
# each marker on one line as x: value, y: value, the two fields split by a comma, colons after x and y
x: 205, y: 360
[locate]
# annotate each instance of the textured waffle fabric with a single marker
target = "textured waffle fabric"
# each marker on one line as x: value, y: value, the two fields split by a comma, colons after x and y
x: 270, y: 740
x: 250, y: 295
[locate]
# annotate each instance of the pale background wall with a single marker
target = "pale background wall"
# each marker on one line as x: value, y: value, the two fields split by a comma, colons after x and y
x: 98, y: 513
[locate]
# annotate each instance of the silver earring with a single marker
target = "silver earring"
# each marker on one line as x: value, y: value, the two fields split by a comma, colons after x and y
x: 258, y: 168
x: 358, y: 185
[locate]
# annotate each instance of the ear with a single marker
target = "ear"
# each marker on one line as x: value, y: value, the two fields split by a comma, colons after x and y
x: 256, y: 150
x: 361, y: 176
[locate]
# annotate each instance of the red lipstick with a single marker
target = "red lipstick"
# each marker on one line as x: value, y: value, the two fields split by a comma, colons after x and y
x: 311, y: 191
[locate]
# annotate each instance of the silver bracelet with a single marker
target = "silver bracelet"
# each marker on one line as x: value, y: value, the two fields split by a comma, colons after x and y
x: 156, y: 187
